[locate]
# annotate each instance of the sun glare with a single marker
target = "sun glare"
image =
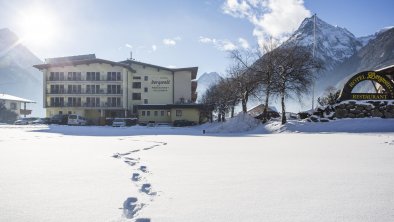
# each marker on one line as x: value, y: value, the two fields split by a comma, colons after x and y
x: 38, y: 26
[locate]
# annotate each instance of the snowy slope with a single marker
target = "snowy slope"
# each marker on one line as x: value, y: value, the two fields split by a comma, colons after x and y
x: 17, y: 76
x: 62, y: 173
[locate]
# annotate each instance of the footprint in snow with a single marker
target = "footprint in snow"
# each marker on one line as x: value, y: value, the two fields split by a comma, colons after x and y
x: 142, y: 220
x: 131, y: 163
x: 133, y: 151
x: 144, y: 169
x: 129, y: 158
x: 131, y: 207
x: 136, y: 177
x: 147, y: 188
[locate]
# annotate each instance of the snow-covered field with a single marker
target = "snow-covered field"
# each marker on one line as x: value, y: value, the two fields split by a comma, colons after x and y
x: 337, y: 171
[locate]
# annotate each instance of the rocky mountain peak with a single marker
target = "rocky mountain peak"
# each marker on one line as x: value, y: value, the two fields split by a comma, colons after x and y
x: 334, y: 44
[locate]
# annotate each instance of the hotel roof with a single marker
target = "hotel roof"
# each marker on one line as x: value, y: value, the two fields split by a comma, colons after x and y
x: 77, y: 60
x: 193, y: 70
x: 91, y: 58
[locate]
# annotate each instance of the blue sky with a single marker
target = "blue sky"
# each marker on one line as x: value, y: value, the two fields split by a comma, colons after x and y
x: 176, y: 33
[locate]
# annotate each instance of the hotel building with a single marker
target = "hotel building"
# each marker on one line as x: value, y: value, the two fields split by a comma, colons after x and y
x: 97, y: 89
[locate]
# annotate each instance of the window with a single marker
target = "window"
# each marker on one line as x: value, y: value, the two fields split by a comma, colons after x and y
x: 74, y: 89
x: 145, y: 101
x: 74, y: 76
x: 142, y: 113
x: 136, y: 77
x: 114, y: 76
x: 136, y: 96
x: 137, y: 85
x: 93, y: 76
x: 92, y: 89
x: 168, y: 113
x: 162, y: 113
x: 92, y: 102
x: 113, y: 102
x: 146, y: 78
x: 56, y: 76
x: 13, y: 106
x: 148, y: 113
x: 178, y: 112
x: 156, y: 113
x: 57, y: 101
x: 114, y: 89
x: 56, y: 89
x: 73, y: 101
x: 146, y: 89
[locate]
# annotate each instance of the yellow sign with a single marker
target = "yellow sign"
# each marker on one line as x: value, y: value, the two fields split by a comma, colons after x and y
x: 369, y: 96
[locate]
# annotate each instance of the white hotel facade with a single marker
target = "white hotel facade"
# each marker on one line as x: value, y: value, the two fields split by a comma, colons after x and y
x: 97, y: 88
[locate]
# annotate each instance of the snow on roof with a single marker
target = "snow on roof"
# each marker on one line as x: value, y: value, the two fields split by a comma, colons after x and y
x: 257, y: 110
x: 14, y: 98
x: 387, y: 67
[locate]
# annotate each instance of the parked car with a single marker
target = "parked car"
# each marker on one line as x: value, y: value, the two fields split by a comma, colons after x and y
x: 41, y: 121
x: 59, y: 119
x: 25, y: 121
x: 22, y: 121
x: 183, y: 122
x: 76, y: 120
x: 109, y: 121
x: 151, y: 124
x: 118, y: 122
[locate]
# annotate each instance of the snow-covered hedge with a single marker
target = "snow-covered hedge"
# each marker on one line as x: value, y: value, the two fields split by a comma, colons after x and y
x: 240, y: 123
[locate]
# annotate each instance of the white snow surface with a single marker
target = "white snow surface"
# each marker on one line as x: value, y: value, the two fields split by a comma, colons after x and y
x: 337, y: 171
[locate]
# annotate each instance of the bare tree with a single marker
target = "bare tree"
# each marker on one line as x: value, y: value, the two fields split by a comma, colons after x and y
x: 221, y: 98
x: 243, y: 80
x: 330, y: 96
x: 265, y: 68
x: 296, y: 67
x: 260, y: 71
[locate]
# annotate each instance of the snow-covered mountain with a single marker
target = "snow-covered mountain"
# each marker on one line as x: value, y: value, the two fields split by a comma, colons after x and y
x: 344, y: 54
x: 378, y: 53
x: 17, y: 76
x: 333, y: 44
x: 205, y: 81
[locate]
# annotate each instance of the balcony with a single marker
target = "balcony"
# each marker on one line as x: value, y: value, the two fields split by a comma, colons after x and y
x: 82, y: 80
x: 83, y: 92
x: 103, y: 105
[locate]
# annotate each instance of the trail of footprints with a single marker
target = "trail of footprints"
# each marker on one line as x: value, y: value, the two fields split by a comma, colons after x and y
x: 131, y: 206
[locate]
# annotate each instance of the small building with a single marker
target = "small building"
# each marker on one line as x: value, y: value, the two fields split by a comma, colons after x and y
x: 257, y: 112
x: 15, y: 104
x: 170, y: 112
x: 388, y: 71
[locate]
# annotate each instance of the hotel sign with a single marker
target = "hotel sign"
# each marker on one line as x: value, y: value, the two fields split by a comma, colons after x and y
x: 385, y: 82
x: 161, y: 84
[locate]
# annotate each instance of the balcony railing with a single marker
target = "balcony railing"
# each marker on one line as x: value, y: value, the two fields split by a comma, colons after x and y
x: 89, y: 105
x: 84, y: 92
x: 84, y: 80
